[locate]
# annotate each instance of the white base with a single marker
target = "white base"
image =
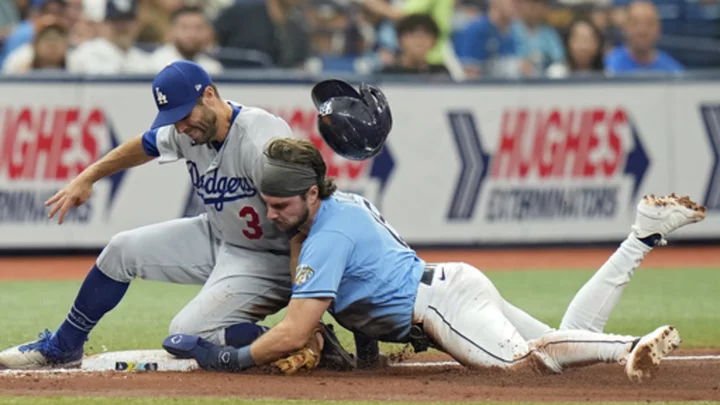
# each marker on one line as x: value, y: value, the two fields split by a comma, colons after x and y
x: 137, y: 360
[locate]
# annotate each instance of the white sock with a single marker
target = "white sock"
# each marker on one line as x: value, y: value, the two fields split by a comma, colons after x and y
x: 593, y: 304
x: 565, y: 348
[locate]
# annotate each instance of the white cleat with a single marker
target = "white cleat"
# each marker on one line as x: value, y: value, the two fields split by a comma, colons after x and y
x: 662, y: 215
x: 644, y: 360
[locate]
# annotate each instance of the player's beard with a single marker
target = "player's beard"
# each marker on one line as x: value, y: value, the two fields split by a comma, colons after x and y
x: 292, y: 228
x: 208, y: 124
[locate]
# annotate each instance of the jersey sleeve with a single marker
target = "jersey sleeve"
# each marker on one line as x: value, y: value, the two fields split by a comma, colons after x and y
x: 322, y: 262
x: 264, y: 128
x: 162, y: 142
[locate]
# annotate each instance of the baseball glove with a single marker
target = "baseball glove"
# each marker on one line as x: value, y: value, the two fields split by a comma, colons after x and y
x: 306, y: 358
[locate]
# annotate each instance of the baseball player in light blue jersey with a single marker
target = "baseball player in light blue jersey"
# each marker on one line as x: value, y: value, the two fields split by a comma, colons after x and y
x: 239, y: 256
x: 356, y: 266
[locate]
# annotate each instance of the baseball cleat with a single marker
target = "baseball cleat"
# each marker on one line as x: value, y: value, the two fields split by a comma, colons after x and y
x: 661, y: 215
x: 644, y: 359
x: 39, y: 354
x: 333, y: 356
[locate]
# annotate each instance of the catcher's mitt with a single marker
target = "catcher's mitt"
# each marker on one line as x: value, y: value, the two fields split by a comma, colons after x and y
x: 306, y: 358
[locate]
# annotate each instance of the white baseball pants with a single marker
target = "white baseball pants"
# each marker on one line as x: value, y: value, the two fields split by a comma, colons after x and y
x: 463, y: 312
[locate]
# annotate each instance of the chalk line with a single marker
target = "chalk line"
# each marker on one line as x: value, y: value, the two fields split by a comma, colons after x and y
x: 20, y: 373
x: 454, y: 363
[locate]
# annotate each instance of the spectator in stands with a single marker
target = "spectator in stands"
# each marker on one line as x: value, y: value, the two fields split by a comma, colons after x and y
x: 19, y: 60
x: 212, y: 8
x: 83, y: 30
x: 417, y: 34
x: 73, y: 11
x: 385, y: 45
x: 50, y: 48
x: 154, y: 17
x: 440, y: 10
x: 585, y: 46
x: 9, y: 17
x: 187, y: 41
x: 337, y: 29
x: 115, y: 53
x: 47, y: 51
x: 640, y: 53
x: 487, y: 46
x: 275, y: 29
x: 614, y: 36
x: 24, y: 32
x: 537, y: 43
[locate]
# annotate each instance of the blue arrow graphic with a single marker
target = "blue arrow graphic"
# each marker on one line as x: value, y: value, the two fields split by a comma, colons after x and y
x: 711, y: 118
x: 381, y: 169
x: 474, y: 165
x: 636, y: 163
x: 115, y: 179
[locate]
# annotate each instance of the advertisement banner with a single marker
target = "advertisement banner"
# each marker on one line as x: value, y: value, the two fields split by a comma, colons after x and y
x: 464, y: 164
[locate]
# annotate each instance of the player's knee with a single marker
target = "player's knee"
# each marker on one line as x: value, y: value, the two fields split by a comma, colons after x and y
x: 118, y: 258
x: 181, y: 324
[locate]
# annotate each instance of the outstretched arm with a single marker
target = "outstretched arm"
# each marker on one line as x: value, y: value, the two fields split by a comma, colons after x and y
x: 127, y: 155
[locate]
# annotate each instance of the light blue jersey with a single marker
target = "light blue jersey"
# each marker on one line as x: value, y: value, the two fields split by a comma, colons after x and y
x: 353, y: 256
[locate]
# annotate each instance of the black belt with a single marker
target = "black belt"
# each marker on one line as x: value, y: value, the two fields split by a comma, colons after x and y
x: 418, y: 339
x: 428, y: 275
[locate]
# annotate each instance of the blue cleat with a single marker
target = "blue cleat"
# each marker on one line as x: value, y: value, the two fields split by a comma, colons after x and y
x: 40, y: 354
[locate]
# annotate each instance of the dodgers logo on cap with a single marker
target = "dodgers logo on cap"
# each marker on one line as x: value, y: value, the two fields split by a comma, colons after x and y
x: 176, y: 90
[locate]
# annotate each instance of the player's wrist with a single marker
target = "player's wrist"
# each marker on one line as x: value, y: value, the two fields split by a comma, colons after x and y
x: 244, y: 358
x: 89, y: 175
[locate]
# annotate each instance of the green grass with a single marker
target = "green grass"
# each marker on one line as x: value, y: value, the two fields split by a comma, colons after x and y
x: 686, y: 298
x: 222, y: 401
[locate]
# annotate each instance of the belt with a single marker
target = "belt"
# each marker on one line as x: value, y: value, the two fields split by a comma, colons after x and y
x: 427, y: 276
x: 417, y: 337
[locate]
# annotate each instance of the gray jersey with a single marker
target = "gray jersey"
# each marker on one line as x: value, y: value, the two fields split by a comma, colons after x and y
x: 227, y: 180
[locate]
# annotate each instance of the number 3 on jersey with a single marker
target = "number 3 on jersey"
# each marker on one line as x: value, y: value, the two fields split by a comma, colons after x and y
x: 252, y: 230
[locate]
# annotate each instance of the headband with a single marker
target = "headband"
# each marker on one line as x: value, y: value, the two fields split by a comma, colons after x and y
x: 283, y: 179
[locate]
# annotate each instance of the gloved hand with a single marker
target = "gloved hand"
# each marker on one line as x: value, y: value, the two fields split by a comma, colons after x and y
x: 306, y: 358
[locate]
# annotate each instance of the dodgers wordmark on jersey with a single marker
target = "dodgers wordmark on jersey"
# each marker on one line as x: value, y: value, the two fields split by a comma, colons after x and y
x: 225, y: 176
x: 355, y: 257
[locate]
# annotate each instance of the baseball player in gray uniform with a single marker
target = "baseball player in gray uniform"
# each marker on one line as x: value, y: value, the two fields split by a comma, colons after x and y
x: 241, y: 259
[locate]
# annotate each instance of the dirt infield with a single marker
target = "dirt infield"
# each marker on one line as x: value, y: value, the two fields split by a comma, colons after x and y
x: 58, y: 268
x: 683, y: 380
x: 679, y: 380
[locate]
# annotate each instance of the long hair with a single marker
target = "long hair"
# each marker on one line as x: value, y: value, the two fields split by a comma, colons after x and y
x: 598, y: 62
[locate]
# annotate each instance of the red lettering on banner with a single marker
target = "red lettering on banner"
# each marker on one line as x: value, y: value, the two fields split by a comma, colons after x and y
x: 49, y: 144
x: 618, y: 121
x: 559, y: 143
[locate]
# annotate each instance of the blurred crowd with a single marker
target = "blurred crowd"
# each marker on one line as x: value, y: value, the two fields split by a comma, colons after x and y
x: 459, y: 39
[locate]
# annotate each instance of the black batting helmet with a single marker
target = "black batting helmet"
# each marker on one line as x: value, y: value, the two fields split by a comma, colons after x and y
x: 354, y: 124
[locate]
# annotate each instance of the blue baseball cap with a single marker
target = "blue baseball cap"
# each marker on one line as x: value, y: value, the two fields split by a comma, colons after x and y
x: 176, y: 90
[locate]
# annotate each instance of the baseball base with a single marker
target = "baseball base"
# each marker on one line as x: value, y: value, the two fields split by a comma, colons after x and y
x: 137, y: 360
